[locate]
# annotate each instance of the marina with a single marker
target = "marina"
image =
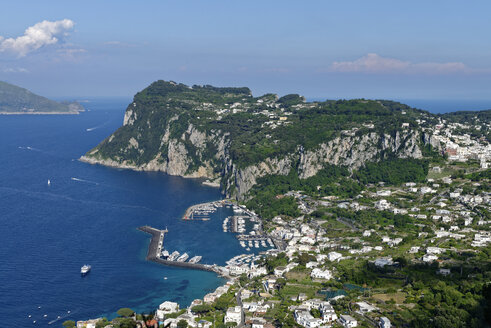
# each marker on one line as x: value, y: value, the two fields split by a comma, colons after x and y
x: 201, y: 212
x: 155, y: 252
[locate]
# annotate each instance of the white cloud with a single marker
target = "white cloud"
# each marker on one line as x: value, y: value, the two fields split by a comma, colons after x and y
x: 119, y: 44
x: 15, y: 70
x: 37, y: 36
x: 373, y: 63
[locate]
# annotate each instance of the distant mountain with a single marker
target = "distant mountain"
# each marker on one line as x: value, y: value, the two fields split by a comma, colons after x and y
x: 17, y: 100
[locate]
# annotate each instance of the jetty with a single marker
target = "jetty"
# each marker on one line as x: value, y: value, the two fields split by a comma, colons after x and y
x: 155, y: 251
x: 200, y: 212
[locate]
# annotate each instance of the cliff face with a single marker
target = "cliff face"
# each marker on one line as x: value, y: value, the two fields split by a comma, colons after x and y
x: 236, y: 181
x: 183, y: 145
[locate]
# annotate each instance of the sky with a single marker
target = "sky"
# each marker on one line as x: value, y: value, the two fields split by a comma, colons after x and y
x: 320, y: 49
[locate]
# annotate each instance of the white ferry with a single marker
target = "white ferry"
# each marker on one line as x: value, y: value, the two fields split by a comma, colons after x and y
x: 85, y: 269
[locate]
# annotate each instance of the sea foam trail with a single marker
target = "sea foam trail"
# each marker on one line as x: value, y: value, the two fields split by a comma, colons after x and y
x: 62, y: 317
x: 30, y: 148
x: 86, y: 181
x: 97, y: 127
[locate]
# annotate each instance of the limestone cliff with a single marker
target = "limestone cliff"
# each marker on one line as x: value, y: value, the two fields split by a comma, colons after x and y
x: 199, y: 138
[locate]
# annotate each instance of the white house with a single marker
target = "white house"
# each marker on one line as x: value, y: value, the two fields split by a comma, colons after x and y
x: 257, y: 271
x: 311, y: 264
x: 347, y: 321
x: 382, y: 205
x: 429, y: 258
x: 305, y: 319
x: 333, y: 256
x: 237, y: 270
x: 384, y: 322
x: 328, y: 313
x: 321, y: 274
x: 88, y: 323
x: 234, y: 314
x: 383, y: 261
x: 365, y: 307
x: 166, y: 308
x: 280, y: 271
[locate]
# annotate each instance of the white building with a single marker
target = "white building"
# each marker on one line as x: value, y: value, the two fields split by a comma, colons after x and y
x: 166, y: 308
x: 305, y: 319
x: 347, y: 321
x: 327, y: 312
x: 321, y: 274
x: 383, y: 261
x: 333, y: 256
x: 382, y: 205
x: 429, y: 258
x: 88, y: 323
x: 365, y: 307
x: 234, y: 314
x: 384, y: 322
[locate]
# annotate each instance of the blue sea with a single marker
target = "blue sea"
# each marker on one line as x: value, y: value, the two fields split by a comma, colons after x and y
x: 89, y: 215
x: 440, y: 106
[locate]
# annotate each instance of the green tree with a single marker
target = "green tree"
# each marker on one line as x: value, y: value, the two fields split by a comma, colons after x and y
x: 125, y: 312
x: 102, y: 323
x: 69, y: 324
x: 182, y: 324
x: 201, y: 309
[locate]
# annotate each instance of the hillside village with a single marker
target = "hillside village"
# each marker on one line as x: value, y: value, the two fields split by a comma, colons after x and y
x: 391, y: 256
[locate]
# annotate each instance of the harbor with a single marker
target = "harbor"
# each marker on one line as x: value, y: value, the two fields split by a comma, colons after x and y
x: 245, y: 223
x: 156, y: 251
x: 201, y: 212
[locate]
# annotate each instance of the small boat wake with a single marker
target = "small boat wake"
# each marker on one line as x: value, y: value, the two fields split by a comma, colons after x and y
x: 85, y: 181
x: 97, y: 127
x: 30, y: 148
x: 69, y: 313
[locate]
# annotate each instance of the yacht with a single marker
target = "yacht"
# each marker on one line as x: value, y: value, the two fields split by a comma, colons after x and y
x: 85, y: 269
x: 183, y: 257
x: 173, y: 256
x: 195, y: 259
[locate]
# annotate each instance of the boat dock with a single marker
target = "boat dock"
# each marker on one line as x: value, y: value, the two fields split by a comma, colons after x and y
x: 201, y: 212
x: 156, y: 243
x: 155, y: 250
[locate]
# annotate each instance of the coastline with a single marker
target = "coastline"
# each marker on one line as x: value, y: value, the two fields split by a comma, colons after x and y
x: 117, y: 165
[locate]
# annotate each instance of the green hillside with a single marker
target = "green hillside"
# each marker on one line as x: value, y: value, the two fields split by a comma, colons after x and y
x: 14, y: 99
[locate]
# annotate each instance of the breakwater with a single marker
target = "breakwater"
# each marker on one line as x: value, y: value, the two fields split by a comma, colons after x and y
x: 155, y: 250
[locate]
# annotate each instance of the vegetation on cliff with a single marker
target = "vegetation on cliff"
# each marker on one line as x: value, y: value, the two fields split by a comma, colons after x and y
x: 258, y: 128
x: 219, y: 133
